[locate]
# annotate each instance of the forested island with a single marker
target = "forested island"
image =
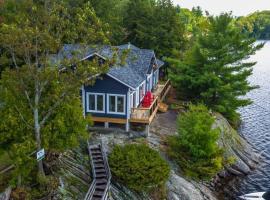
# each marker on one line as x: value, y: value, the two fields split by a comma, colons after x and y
x: 205, y: 60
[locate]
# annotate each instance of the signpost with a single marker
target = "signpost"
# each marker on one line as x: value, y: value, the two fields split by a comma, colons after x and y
x: 40, y: 154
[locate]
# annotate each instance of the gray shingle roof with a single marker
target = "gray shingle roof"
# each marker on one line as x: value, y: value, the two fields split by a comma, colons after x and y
x: 134, y: 70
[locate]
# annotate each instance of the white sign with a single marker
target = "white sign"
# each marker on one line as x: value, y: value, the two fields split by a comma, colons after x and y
x: 40, y: 154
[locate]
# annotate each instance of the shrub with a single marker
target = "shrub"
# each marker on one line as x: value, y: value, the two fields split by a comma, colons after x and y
x: 195, y: 147
x: 138, y: 167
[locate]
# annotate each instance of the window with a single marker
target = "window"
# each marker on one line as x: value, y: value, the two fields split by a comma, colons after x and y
x: 95, y: 102
x: 116, y: 104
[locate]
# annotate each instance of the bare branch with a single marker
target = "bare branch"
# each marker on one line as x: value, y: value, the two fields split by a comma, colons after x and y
x: 13, y: 57
x: 23, y: 119
x: 28, y: 99
x: 52, y: 109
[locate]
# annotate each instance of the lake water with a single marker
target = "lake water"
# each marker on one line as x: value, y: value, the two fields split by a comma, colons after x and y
x: 256, y: 128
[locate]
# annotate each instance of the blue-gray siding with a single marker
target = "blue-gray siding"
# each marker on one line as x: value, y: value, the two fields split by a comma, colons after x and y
x: 107, y: 85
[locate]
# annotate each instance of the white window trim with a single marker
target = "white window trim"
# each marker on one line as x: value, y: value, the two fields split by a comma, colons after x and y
x: 108, y: 104
x: 137, y: 96
x: 87, y: 102
x: 143, y: 83
x: 83, y: 100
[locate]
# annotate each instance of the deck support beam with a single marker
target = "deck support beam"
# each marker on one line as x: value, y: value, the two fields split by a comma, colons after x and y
x: 127, y: 126
x: 147, y: 129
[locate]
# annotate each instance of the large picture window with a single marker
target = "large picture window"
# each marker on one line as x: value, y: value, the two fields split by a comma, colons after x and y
x: 116, y: 104
x: 95, y: 102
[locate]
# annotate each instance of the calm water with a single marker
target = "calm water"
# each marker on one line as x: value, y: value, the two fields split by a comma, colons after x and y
x: 256, y: 128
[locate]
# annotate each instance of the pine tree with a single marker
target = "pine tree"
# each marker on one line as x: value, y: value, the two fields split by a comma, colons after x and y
x: 215, y: 70
x: 154, y: 25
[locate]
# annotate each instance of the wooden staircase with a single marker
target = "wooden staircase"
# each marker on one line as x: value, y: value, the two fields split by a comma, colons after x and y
x: 99, y: 189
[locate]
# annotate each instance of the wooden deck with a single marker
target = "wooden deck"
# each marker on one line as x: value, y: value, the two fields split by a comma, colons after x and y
x: 146, y: 115
x: 142, y: 115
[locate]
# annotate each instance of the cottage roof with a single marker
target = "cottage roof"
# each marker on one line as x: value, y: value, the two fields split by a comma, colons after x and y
x: 132, y: 71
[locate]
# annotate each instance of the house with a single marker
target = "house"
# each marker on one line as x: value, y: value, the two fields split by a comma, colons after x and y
x: 116, y: 96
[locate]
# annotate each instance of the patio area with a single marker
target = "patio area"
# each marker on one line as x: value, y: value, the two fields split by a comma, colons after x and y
x: 146, y: 115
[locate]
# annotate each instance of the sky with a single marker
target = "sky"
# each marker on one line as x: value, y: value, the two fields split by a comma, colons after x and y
x: 239, y: 7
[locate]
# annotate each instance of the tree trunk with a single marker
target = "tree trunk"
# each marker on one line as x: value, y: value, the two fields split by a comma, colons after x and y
x: 38, y: 140
x: 37, y: 128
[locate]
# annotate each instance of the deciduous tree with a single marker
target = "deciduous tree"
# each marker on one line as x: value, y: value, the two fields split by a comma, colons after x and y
x: 40, y: 102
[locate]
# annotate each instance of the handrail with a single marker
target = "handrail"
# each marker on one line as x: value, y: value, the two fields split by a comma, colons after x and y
x: 108, y: 172
x: 91, y: 189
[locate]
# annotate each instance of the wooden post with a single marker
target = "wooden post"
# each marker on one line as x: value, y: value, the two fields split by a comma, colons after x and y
x: 127, y: 126
x: 106, y: 124
x: 147, y: 130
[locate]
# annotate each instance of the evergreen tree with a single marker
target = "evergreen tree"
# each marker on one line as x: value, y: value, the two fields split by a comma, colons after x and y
x: 138, y: 167
x: 154, y: 25
x: 215, y: 69
x: 195, y: 147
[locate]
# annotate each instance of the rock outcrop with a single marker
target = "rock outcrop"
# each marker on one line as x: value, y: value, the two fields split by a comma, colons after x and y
x: 237, y: 148
x: 178, y: 187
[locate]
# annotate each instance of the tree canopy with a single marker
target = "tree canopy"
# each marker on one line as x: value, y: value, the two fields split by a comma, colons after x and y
x: 154, y: 25
x: 39, y: 98
x: 215, y: 69
x: 257, y: 24
x: 138, y: 167
x: 195, y: 147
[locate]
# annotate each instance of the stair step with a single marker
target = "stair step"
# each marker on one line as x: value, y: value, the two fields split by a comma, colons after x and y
x: 101, y: 187
x: 101, y: 181
x: 100, y: 175
x: 98, y: 161
x: 100, y: 171
x: 96, y: 198
x: 98, y: 193
x: 97, y: 157
x: 95, y: 149
x: 99, y: 166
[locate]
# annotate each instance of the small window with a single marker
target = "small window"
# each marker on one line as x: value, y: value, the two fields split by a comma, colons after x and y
x: 96, y: 102
x: 116, y: 104
x: 120, y: 104
x: 100, y: 106
x: 92, y: 102
x: 112, y: 104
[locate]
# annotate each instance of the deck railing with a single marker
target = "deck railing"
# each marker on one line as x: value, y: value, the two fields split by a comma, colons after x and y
x: 145, y: 115
x: 142, y: 115
x: 164, y: 90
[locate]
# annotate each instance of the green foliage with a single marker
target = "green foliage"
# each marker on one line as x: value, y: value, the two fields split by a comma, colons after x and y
x: 112, y: 12
x: 215, y: 71
x: 154, y: 25
x: 40, y: 107
x: 194, y: 21
x: 138, y: 167
x: 195, y: 147
x: 257, y: 24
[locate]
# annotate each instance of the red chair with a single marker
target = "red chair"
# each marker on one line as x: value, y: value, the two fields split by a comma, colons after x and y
x: 147, y: 100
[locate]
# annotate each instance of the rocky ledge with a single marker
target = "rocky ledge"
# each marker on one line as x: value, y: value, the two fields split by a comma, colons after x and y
x: 179, y: 187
